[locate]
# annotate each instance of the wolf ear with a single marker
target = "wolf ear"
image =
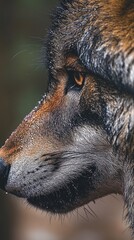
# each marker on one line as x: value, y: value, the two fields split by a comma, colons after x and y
x: 106, y: 47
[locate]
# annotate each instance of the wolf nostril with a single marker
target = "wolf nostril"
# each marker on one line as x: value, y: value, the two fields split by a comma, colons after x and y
x: 4, y: 171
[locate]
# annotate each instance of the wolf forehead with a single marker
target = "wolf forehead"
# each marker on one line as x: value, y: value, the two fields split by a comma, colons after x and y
x: 97, y: 35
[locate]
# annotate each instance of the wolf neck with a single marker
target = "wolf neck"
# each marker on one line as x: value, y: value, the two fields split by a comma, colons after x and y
x: 120, y: 125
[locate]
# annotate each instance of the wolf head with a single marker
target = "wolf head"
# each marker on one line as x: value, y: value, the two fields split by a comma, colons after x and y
x: 77, y: 144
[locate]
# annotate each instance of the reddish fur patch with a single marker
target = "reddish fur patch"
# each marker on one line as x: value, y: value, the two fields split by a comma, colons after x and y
x: 15, y: 143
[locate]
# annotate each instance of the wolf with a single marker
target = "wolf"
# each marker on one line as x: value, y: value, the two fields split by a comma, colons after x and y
x: 77, y: 145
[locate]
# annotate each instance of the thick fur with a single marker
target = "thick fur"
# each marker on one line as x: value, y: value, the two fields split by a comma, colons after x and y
x: 78, y: 144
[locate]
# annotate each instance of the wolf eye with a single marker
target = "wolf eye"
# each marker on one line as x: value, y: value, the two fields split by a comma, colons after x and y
x: 79, y: 78
x: 75, y: 80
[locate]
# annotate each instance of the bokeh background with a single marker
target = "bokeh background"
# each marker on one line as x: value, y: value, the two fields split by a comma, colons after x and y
x: 23, y: 80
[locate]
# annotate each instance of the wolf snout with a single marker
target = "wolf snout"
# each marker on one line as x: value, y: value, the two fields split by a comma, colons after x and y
x: 4, y: 172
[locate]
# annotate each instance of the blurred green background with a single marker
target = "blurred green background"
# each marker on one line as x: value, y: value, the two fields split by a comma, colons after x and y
x: 23, y: 28
x: 23, y: 78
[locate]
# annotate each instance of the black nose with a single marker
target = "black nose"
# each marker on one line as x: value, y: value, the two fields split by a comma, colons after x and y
x: 4, y: 171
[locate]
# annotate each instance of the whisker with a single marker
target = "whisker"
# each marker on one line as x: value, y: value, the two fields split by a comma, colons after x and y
x: 87, y: 212
x: 92, y: 211
x: 66, y: 155
x: 67, y: 165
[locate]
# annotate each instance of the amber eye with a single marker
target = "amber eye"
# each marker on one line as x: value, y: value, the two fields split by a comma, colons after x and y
x: 75, y: 80
x: 78, y: 78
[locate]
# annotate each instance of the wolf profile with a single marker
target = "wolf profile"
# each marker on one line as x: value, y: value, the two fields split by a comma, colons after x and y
x: 77, y: 145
